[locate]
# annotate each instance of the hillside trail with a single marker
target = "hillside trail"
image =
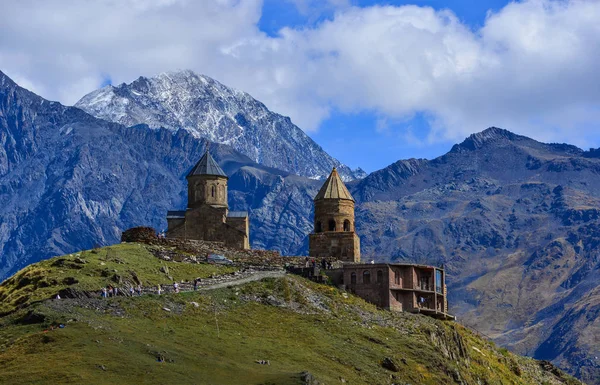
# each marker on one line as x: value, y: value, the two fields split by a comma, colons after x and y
x: 206, y: 284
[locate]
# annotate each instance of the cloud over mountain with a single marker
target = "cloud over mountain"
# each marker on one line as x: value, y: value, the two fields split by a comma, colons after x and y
x: 531, y: 65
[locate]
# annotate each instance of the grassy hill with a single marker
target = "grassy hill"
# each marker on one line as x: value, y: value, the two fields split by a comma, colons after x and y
x: 308, y: 333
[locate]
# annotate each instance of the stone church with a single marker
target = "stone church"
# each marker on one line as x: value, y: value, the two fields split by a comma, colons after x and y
x: 334, y: 235
x: 207, y: 216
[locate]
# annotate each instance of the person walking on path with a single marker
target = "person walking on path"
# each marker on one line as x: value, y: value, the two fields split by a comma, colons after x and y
x: 110, y: 291
x: 131, y: 291
x: 116, y: 291
x: 104, y: 292
x: 139, y: 290
x: 159, y: 289
x: 195, y: 284
x: 176, y: 287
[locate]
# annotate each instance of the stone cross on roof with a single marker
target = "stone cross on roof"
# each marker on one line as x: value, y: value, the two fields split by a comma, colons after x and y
x: 334, y: 188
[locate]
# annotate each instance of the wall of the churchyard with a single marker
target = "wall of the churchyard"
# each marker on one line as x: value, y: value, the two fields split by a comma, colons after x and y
x: 207, y: 189
x: 172, y: 223
x: 208, y: 223
x: 336, y: 210
x: 344, y: 246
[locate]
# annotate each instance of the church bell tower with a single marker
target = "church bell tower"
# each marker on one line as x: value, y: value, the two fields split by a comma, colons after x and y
x: 334, y: 235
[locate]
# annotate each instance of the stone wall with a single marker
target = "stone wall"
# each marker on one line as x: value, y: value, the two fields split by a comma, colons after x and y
x: 207, y: 189
x: 208, y: 223
x: 344, y: 246
x: 336, y: 210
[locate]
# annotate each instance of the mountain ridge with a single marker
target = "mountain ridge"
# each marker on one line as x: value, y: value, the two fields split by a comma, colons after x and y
x: 515, y: 222
x: 209, y: 109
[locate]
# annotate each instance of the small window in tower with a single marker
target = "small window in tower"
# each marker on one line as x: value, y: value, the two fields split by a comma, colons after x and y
x: 353, y: 278
x: 379, y: 276
x: 366, y: 276
x: 346, y: 225
x: 212, y: 191
x: 318, y: 227
x: 397, y: 277
x: 331, y: 225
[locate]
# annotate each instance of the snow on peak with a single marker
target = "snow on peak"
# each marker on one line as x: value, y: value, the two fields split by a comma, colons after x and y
x: 201, y: 105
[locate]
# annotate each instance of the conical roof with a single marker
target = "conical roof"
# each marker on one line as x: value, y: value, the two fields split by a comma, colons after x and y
x: 207, y: 166
x: 334, y: 188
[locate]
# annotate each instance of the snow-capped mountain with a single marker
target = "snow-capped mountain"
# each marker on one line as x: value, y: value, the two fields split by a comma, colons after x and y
x: 208, y: 109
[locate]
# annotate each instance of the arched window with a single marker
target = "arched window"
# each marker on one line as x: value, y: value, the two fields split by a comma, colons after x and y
x: 346, y: 225
x: 318, y: 227
x: 353, y: 278
x: 379, y: 276
x: 366, y: 276
x: 331, y: 225
x: 212, y: 191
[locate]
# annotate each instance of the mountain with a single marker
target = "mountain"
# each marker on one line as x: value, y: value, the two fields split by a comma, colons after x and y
x: 238, y: 328
x: 70, y: 181
x: 208, y: 109
x: 515, y: 222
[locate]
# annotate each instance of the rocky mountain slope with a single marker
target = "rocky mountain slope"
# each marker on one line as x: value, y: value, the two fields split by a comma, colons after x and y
x: 241, y: 334
x: 208, y: 109
x: 69, y: 181
x: 515, y: 222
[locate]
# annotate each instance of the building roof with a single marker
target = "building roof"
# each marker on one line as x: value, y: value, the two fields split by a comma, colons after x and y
x: 334, y: 188
x: 237, y: 214
x: 175, y: 214
x: 207, y: 166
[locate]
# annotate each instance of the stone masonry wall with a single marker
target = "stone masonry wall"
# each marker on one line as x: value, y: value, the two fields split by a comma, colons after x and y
x: 343, y: 246
x: 337, y: 210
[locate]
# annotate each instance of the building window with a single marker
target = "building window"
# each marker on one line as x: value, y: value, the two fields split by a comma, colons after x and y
x: 212, y: 191
x: 346, y: 225
x: 379, y: 276
x: 331, y: 225
x: 318, y: 227
x: 353, y: 278
x: 438, y: 281
x: 397, y: 277
x: 424, y: 282
x: 366, y: 276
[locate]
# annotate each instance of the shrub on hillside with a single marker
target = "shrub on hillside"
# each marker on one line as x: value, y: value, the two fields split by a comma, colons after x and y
x: 139, y: 234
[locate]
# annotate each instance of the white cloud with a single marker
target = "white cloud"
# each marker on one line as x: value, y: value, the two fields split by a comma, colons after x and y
x: 531, y: 68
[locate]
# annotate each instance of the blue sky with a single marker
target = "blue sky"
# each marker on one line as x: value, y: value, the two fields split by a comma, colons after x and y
x: 371, y: 81
x: 354, y: 138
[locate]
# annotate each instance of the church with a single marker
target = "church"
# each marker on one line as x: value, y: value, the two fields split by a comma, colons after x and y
x: 334, y: 236
x: 207, y: 216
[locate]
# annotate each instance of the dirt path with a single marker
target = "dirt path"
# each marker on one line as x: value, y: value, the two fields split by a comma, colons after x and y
x: 237, y: 282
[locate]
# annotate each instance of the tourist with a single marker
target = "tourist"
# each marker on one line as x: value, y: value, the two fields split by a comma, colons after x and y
x: 110, y: 291
x: 116, y: 291
x: 314, y: 263
x: 176, y: 287
x: 139, y: 290
x: 104, y: 292
x: 323, y: 264
x: 159, y: 290
x: 131, y: 291
x: 58, y: 296
x: 195, y: 284
x: 329, y: 265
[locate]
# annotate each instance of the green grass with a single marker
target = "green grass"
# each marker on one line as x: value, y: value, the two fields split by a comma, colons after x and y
x: 104, y: 266
x: 295, y: 324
